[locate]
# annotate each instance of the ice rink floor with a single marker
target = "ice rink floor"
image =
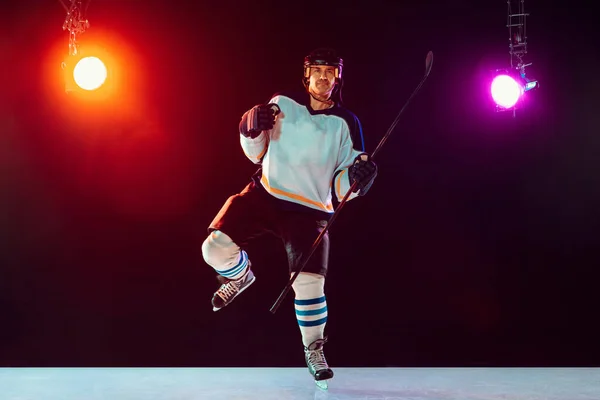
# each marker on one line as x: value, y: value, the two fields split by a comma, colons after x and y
x: 296, y: 383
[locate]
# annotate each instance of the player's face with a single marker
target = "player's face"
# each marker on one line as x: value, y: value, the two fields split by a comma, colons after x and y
x: 322, y: 79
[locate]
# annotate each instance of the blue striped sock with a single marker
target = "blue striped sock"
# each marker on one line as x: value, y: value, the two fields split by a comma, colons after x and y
x: 236, y: 269
x: 312, y: 316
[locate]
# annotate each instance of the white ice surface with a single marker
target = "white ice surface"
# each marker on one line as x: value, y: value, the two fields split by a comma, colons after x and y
x: 296, y: 383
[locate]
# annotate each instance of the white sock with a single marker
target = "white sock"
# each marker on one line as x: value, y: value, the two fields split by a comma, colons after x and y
x: 311, y: 306
x: 221, y: 253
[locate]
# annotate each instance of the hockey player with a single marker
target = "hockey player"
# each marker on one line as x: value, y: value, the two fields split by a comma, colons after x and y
x: 309, y: 148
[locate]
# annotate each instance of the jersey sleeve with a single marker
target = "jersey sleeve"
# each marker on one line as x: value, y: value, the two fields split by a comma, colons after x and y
x: 352, y: 146
x: 256, y: 148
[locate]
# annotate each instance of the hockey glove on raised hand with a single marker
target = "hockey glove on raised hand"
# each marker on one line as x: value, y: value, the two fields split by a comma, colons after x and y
x: 364, y: 172
x: 259, y: 118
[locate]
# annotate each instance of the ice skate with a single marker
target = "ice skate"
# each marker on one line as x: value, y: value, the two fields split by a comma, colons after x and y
x: 231, y: 288
x: 317, y: 365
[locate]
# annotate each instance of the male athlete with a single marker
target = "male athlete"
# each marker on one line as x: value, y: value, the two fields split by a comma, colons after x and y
x: 309, y: 148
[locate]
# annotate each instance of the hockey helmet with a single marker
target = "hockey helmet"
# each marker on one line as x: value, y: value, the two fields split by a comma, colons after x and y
x: 323, y: 56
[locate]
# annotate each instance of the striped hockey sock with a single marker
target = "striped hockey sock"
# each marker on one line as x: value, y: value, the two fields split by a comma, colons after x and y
x: 311, y: 306
x: 237, y: 270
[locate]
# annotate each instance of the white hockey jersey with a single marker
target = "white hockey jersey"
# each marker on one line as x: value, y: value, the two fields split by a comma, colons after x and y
x: 305, y: 157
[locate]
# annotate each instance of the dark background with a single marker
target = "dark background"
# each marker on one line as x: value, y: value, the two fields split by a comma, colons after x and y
x: 478, y: 244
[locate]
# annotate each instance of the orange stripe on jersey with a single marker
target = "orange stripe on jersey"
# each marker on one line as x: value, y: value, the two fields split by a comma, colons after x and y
x: 258, y: 157
x: 265, y: 182
x: 262, y: 153
x: 338, y: 185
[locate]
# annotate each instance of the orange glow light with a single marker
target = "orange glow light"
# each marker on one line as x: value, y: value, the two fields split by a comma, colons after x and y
x: 90, y: 73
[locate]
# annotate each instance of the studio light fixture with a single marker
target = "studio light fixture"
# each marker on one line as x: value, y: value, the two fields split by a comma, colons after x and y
x: 509, y: 86
x: 83, y: 69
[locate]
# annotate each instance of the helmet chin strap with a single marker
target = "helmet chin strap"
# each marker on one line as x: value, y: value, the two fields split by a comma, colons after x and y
x: 328, y: 100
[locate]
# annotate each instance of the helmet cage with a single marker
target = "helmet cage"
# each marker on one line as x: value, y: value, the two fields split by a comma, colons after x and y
x: 323, y: 57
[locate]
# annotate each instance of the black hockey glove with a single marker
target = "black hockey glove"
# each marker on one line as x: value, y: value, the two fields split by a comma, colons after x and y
x: 259, y: 118
x: 363, y: 172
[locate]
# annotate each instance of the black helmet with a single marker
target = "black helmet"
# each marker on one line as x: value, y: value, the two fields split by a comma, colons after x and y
x: 323, y: 56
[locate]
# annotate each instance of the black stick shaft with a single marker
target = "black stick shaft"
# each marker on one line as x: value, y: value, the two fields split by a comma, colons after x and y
x: 312, y: 249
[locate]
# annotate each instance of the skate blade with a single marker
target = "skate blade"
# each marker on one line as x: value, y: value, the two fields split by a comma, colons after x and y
x: 323, y: 385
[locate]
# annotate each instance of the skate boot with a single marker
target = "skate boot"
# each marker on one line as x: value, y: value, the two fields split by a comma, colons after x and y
x: 317, y: 365
x: 231, y: 288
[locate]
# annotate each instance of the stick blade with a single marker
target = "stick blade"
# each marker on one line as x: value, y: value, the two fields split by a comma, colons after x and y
x: 428, y: 62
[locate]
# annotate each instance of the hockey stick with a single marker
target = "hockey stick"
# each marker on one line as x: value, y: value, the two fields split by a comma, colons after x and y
x: 428, y: 64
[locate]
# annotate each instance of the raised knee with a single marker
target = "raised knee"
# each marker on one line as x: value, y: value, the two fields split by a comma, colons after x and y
x: 217, y: 248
